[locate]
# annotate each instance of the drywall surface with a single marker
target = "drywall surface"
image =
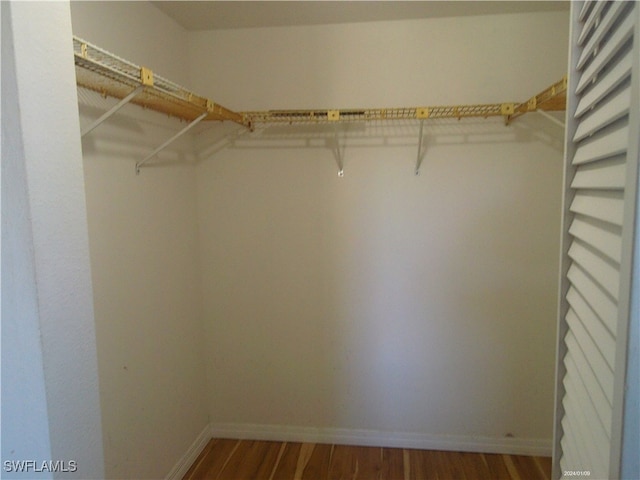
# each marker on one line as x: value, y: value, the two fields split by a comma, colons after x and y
x: 144, y: 255
x: 50, y: 407
x: 25, y: 426
x: 137, y: 32
x: 442, y: 61
x: 383, y: 307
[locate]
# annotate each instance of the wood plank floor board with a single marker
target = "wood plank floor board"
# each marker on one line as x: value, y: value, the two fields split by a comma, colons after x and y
x: 474, y: 466
x: 288, y: 462
x: 544, y: 465
x: 306, y: 452
x: 443, y: 467
x: 212, y: 460
x: 343, y: 463
x: 527, y: 468
x: 319, y: 462
x: 365, y: 462
x: 511, y: 467
x: 452, y: 462
x: 422, y: 464
x: 237, y: 466
x: 370, y: 462
x: 352, y: 463
x: 257, y: 462
x: 265, y: 458
x: 224, y: 459
x: 496, y: 466
x: 392, y: 464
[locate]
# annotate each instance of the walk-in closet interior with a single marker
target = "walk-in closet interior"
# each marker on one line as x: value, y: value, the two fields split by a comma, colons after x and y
x: 388, y: 224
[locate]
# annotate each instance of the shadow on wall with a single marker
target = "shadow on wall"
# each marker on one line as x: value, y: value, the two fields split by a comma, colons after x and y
x: 462, y: 284
x: 130, y: 134
x: 382, y: 300
x: 357, y: 135
x: 341, y: 303
x: 135, y: 133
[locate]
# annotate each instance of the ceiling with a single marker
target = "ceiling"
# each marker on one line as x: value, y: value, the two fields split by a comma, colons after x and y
x: 212, y: 15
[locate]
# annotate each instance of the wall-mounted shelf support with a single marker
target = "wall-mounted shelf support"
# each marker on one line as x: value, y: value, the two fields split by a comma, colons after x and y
x: 338, y: 152
x: 110, y: 75
x: 165, y: 144
x: 420, y: 149
x: 551, y: 118
x: 113, y: 110
x: 103, y: 72
x: 553, y: 98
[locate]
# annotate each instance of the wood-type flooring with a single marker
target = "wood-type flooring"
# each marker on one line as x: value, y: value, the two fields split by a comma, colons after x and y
x: 224, y: 459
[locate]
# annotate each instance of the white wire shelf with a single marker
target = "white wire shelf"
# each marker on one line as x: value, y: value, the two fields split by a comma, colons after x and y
x: 110, y: 75
x: 367, y: 115
x: 104, y: 72
x: 551, y: 99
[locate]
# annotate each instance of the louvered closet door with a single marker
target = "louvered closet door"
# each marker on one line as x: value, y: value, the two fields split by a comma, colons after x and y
x: 600, y: 188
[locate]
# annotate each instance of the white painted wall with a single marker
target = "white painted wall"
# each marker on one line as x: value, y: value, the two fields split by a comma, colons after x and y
x: 378, y: 302
x: 50, y: 402
x: 383, y: 307
x: 144, y: 254
x: 137, y: 32
x: 24, y: 402
x: 398, y: 63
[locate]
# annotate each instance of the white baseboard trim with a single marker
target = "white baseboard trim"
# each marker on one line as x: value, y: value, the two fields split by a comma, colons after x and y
x: 182, y: 466
x: 377, y: 438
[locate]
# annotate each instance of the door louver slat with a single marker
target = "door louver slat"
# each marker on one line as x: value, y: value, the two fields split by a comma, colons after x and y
x: 601, y: 158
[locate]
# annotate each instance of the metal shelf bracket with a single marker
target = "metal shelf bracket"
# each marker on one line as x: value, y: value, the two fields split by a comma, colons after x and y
x: 338, y: 152
x: 110, y: 75
x: 506, y: 110
x: 422, y: 113
x: 104, y: 72
x: 113, y: 110
x: 553, y: 98
x: 551, y: 118
x: 421, y: 152
x: 161, y: 147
